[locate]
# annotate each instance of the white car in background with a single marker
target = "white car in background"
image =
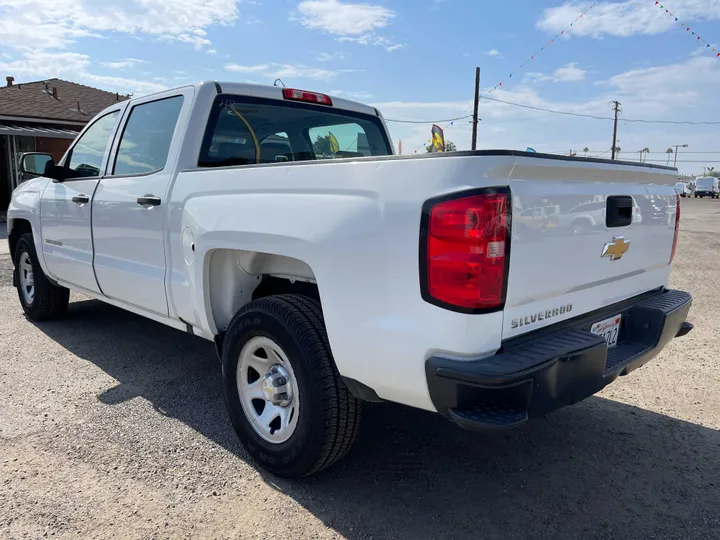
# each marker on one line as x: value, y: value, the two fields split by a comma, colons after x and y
x: 707, y: 186
x: 683, y: 189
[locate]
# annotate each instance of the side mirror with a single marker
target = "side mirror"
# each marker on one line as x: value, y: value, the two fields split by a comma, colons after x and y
x: 39, y: 164
x: 36, y: 163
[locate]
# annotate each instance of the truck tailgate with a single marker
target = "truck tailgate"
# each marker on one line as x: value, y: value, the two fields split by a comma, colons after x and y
x: 568, y: 256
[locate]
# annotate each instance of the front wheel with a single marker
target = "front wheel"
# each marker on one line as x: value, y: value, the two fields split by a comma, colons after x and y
x: 40, y: 299
x: 286, y: 400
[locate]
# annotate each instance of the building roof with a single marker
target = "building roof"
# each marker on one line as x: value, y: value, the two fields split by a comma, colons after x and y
x: 54, y: 99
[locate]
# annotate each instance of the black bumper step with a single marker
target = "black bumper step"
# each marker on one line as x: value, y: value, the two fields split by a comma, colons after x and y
x: 489, y: 417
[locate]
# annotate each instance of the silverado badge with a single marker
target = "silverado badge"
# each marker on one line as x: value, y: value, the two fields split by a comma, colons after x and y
x: 616, y: 249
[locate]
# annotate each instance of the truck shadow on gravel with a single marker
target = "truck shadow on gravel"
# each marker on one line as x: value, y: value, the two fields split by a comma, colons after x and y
x: 600, y: 469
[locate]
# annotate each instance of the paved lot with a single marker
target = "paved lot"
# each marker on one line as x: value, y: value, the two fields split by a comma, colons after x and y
x: 114, y: 426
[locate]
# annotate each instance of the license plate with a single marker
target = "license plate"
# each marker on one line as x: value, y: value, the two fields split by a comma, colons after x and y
x: 609, y: 329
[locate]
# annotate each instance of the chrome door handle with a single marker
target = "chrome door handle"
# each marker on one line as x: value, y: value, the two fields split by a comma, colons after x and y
x: 149, y: 200
x: 81, y: 199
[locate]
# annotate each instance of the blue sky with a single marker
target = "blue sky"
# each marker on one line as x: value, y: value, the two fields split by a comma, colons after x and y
x: 414, y: 60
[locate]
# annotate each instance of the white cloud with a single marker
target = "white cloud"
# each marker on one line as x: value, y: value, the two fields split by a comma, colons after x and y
x: 343, y: 19
x: 42, y: 24
x: 271, y: 71
x: 359, y: 95
x: 374, y: 40
x: 568, y: 73
x: 72, y: 66
x: 626, y: 18
x: 352, y: 23
x: 327, y: 57
x: 123, y: 64
x: 494, y: 52
x: 248, y: 69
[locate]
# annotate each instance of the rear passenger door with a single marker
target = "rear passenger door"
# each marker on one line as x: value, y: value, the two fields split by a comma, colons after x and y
x: 130, y: 204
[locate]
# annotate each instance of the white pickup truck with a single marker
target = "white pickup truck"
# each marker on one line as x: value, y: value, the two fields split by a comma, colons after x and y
x: 329, y: 272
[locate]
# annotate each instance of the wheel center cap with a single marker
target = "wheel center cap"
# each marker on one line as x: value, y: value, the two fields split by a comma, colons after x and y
x: 276, y: 386
x: 268, y: 389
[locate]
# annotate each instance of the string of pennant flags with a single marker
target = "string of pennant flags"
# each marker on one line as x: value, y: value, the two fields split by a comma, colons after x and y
x: 541, y: 49
x: 530, y: 59
x: 688, y: 29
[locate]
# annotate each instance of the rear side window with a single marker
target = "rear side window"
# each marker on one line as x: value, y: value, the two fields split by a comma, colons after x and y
x: 146, y: 139
x: 247, y: 131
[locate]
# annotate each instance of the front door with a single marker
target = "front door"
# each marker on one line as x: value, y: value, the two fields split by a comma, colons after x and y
x: 129, y: 206
x: 65, y: 208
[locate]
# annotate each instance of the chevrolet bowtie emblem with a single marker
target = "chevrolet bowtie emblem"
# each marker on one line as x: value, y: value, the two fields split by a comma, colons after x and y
x: 616, y: 249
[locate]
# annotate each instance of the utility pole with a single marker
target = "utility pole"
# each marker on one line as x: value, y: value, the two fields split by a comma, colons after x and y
x: 676, y: 151
x: 617, y: 111
x: 475, y: 112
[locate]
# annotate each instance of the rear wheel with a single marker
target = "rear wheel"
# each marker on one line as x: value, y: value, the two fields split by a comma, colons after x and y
x: 40, y: 299
x: 286, y: 400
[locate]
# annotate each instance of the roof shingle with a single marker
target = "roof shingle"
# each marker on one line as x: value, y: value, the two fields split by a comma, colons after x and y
x: 35, y: 100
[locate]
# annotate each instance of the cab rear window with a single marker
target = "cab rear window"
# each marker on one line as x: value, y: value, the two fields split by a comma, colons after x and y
x: 248, y: 131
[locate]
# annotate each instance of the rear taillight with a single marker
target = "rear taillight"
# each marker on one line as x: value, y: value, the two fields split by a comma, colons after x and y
x: 310, y: 97
x: 464, y: 251
x: 677, y: 227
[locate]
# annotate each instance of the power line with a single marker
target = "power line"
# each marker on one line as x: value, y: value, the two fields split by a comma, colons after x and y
x: 594, y: 117
x: 555, y: 111
x: 428, y: 121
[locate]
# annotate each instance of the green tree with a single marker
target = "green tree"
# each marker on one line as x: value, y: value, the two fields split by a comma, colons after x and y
x: 321, y: 146
x: 586, y: 150
x: 449, y: 147
x: 669, y: 153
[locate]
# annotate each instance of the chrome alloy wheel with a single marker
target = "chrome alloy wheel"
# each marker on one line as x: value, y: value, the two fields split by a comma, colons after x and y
x: 27, y: 280
x: 268, y: 389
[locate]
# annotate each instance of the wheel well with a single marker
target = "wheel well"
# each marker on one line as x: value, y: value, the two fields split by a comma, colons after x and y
x: 236, y: 277
x: 19, y: 227
x: 272, y: 286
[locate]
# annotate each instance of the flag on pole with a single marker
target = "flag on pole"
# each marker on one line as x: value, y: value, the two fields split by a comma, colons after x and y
x: 334, y: 144
x: 438, y: 139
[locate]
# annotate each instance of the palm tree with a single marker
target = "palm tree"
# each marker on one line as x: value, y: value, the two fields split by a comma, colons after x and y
x: 669, y: 153
x: 645, y: 151
x: 586, y: 150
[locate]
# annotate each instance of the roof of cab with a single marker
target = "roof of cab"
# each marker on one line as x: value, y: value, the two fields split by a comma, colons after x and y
x: 275, y: 92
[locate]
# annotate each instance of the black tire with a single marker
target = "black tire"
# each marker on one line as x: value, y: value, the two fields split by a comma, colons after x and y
x: 49, y: 301
x: 330, y: 415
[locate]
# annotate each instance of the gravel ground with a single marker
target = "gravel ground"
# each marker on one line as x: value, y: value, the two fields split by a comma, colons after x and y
x: 114, y: 426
